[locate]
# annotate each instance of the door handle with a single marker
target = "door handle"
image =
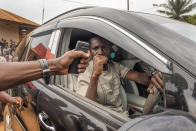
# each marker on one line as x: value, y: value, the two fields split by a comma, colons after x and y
x: 42, y: 117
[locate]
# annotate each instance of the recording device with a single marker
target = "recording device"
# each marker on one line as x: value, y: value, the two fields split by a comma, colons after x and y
x: 80, y: 45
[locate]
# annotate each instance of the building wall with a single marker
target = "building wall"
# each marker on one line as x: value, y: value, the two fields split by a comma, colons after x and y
x: 9, y: 31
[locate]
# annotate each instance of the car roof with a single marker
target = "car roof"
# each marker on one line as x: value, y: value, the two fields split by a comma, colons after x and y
x: 177, y: 47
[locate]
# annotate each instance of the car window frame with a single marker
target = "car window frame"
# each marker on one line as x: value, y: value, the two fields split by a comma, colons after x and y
x: 66, y: 33
x: 65, y: 24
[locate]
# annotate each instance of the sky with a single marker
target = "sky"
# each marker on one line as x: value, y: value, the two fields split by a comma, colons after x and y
x: 32, y: 9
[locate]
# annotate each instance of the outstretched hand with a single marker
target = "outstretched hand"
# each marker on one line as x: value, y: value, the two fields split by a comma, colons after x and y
x: 156, y: 81
x: 18, y: 101
x: 60, y: 66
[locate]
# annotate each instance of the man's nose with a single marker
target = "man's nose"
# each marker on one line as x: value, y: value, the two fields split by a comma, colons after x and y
x: 100, y: 51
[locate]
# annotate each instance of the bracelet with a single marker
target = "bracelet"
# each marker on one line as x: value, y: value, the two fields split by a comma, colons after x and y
x: 45, y: 70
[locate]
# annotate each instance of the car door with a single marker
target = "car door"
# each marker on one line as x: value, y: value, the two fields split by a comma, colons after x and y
x: 36, y: 49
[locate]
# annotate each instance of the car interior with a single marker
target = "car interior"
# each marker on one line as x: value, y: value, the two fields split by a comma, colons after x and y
x: 133, y: 95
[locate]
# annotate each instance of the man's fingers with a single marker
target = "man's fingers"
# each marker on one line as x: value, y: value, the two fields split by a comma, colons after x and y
x: 81, y: 70
x: 84, y: 61
x: 19, y: 102
x: 149, y: 89
x: 158, y: 79
x: 16, y: 102
x: 104, y: 60
x: 100, y: 59
x: 79, y: 54
x: 82, y: 66
x: 158, y: 86
x: 160, y: 74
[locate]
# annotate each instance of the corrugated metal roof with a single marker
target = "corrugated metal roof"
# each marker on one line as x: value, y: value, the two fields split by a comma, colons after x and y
x: 8, y: 16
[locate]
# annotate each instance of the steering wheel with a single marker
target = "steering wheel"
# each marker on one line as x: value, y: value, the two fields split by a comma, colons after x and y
x: 151, y: 101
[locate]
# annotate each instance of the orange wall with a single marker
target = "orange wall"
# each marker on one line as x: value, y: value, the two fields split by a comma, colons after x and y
x: 9, y: 31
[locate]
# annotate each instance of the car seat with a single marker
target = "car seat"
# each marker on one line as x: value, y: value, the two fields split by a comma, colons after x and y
x: 129, y: 92
x: 130, y: 86
x: 131, y: 100
x: 123, y: 97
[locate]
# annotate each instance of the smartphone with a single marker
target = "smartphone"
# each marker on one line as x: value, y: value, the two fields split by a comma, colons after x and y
x: 80, y: 45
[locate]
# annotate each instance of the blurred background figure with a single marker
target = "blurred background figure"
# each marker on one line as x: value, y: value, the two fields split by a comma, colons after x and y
x: 12, y: 50
x: 7, y: 55
x: 1, y: 50
x: 2, y: 59
x: 7, y: 49
x: 6, y: 98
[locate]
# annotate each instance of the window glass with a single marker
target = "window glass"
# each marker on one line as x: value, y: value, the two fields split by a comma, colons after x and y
x: 39, y: 47
x: 44, y: 40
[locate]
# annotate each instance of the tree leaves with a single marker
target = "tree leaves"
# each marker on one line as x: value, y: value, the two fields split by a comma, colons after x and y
x: 178, y: 8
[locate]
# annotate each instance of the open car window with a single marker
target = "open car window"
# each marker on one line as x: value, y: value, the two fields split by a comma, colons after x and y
x: 133, y: 94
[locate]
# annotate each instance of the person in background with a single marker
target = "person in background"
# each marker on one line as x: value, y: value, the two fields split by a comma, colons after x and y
x: 2, y: 59
x: 2, y: 46
x: 5, y: 48
x: 7, y: 56
x: 1, y: 50
x: 12, y: 51
x: 5, y: 98
x: 12, y: 42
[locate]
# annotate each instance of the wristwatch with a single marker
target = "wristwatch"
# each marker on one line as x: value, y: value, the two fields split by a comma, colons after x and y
x: 45, y: 70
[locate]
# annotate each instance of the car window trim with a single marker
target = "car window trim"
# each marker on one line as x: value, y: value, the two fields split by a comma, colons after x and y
x: 54, y: 41
x: 44, y: 28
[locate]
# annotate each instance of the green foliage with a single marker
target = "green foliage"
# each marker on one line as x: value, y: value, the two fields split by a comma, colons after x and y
x: 178, y: 8
x: 191, y: 19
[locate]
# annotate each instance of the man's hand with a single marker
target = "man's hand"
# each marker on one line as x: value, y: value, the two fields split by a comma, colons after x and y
x: 18, y: 101
x: 84, y: 62
x: 61, y: 65
x: 156, y: 81
x: 98, y: 62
